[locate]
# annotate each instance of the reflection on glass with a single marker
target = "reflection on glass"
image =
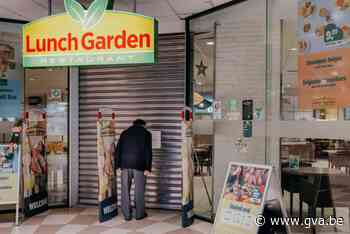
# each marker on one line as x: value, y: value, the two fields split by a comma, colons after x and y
x: 203, y: 98
x: 47, y: 91
x: 315, y: 175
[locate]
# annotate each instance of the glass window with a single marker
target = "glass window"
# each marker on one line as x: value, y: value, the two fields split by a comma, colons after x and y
x: 313, y: 79
x: 315, y: 174
x: 46, y: 90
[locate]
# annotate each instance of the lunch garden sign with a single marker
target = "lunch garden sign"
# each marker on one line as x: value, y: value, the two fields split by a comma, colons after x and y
x: 93, y: 36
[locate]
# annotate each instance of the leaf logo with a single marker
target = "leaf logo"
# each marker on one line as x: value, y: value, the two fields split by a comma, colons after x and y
x: 87, y: 18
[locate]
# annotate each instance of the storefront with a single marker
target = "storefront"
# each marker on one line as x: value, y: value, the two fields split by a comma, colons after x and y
x: 69, y: 92
x: 256, y: 99
x: 264, y: 85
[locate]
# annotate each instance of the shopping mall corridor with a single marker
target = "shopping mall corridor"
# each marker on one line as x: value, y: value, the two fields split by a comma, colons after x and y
x: 85, y: 221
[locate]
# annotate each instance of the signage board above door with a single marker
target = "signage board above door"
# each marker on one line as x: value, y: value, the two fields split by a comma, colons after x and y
x: 93, y: 36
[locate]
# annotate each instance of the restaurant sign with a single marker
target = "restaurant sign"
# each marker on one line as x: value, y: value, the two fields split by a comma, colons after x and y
x: 95, y: 36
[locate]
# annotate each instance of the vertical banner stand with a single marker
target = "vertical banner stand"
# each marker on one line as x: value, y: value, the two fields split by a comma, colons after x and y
x: 187, y: 168
x: 106, y: 164
x: 34, y: 164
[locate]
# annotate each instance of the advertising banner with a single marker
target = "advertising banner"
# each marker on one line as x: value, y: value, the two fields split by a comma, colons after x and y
x: 242, y: 199
x: 9, y: 173
x: 324, y: 46
x: 187, y: 174
x: 94, y: 36
x: 10, y: 50
x: 10, y: 98
x: 106, y: 168
x: 34, y: 163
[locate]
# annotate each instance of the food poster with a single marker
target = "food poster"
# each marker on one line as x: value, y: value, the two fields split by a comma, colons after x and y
x: 242, y: 199
x: 187, y: 174
x: 324, y: 48
x: 9, y: 168
x: 106, y: 169
x: 11, y: 51
x: 34, y: 161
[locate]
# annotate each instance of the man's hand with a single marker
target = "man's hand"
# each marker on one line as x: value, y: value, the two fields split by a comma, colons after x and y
x: 147, y: 173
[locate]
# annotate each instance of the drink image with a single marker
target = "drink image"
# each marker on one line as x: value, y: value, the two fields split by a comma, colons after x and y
x: 7, y: 58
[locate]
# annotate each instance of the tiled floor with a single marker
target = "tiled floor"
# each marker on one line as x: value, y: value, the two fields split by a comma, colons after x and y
x: 85, y: 221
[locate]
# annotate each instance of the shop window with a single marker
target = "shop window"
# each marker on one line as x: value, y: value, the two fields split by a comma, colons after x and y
x: 316, y: 171
x: 46, y: 91
x: 313, y: 69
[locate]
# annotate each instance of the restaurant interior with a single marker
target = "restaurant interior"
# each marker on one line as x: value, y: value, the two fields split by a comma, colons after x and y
x: 315, y: 176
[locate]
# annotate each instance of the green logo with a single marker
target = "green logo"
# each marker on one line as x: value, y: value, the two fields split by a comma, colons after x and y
x: 87, y: 18
x: 333, y: 33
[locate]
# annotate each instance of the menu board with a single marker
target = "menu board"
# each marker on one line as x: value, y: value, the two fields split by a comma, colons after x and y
x: 9, y: 173
x: 242, y: 199
x: 324, y: 53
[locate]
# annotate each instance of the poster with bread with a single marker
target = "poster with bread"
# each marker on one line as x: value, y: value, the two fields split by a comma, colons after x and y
x: 106, y: 164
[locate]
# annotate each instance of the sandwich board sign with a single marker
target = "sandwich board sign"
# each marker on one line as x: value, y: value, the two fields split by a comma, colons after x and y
x: 242, y: 198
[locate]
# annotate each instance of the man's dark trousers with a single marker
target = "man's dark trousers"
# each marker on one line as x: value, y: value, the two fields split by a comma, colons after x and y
x: 140, y: 184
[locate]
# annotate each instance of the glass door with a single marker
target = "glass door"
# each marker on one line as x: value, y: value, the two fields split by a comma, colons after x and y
x: 46, y: 90
x: 203, y: 53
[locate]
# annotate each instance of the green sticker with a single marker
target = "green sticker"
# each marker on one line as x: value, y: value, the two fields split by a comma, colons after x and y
x: 232, y: 105
x: 87, y: 18
x: 333, y: 33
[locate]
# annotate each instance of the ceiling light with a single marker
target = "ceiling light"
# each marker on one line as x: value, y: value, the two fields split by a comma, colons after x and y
x: 32, y: 79
x: 292, y: 49
x: 210, y: 43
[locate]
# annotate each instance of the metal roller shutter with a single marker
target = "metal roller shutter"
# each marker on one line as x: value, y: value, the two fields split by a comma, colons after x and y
x: 152, y: 92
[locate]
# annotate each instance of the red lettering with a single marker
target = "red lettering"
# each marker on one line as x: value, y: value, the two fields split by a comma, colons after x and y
x: 28, y: 49
x: 41, y: 45
x: 101, y: 43
x: 123, y: 41
x: 132, y: 41
x: 60, y: 44
x: 109, y: 41
x: 72, y: 40
x: 146, y: 37
x: 87, y: 43
x: 52, y: 42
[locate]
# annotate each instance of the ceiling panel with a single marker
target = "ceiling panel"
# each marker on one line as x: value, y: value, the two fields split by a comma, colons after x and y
x: 23, y: 10
x: 188, y: 7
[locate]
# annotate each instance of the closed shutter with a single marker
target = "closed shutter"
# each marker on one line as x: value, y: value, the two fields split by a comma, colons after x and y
x: 152, y: 92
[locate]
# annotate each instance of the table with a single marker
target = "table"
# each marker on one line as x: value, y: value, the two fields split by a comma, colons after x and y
x: 313, y: 171
x: 321, y: 174
x: 320, y: 186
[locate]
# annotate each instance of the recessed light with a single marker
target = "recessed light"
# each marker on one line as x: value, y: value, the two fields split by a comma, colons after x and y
x: 210, y: 43
x: 32, y: 79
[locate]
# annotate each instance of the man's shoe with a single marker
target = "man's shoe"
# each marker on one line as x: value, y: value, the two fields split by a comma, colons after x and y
x: 127, y: 219
x: 144, y: 216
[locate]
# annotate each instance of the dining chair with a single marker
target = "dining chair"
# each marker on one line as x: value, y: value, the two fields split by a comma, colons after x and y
x: 316, y: 194
x: 292, y: 184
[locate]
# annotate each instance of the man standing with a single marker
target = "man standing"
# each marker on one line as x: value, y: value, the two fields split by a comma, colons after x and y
x: 134, y: 158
